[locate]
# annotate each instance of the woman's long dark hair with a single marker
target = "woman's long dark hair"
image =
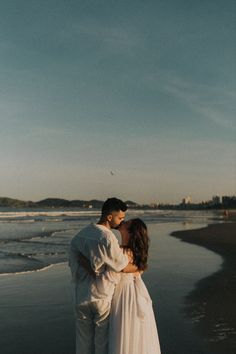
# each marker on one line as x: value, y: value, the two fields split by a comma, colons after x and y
x: 138, y: 242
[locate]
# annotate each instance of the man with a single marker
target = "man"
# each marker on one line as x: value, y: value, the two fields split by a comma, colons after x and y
x: 93, y: 294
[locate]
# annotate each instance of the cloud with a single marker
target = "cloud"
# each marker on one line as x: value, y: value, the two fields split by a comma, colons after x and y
x: 215, y: 103
x: 104, y: 37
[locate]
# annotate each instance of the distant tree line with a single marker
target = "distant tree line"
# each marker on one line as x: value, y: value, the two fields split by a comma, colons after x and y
x: 226, y: 203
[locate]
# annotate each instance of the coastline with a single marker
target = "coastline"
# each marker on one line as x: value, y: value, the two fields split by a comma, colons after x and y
x: 211, y: 305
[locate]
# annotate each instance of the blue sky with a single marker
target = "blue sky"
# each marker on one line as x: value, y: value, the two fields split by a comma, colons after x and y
x: 145, y: 89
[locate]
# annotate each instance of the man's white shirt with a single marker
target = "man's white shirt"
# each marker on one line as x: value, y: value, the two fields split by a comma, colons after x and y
x: 101, y: 247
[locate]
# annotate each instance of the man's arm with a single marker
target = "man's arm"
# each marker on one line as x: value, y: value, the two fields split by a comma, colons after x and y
x: 84, y: 262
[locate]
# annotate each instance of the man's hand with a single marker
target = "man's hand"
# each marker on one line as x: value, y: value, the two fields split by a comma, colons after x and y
x: 130, y: 268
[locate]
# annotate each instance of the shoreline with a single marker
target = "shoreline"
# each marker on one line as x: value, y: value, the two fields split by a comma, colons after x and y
x: 33, y: 270
x: 211, y: 304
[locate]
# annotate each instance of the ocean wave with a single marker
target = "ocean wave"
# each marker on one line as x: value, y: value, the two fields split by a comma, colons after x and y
x: 18, y: 263
x: 46, y: 234
x: 31, y: 271
x: 32, y: 255
x: 35, y: 270
x: 42, y: 234
x: 24, y: 221
x: 33, y: 214
x: 60, y: 216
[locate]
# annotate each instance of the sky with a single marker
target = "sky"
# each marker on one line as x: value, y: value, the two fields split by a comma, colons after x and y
x: 145, y: 89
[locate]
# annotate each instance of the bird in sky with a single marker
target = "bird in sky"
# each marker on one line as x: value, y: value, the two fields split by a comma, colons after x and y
x: 112, y: 173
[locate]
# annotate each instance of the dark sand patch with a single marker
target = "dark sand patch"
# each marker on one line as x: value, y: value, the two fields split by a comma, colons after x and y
x: 212, y: 305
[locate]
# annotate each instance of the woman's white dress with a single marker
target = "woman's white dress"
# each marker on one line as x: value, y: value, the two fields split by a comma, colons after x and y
x: 132, y: 323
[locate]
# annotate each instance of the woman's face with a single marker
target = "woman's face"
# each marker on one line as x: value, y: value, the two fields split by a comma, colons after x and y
x: 124, y: 230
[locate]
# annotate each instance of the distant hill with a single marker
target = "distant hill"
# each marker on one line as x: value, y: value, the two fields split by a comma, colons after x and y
x: 58, y: 203
x: 55, y: 203
x: 15, y: 203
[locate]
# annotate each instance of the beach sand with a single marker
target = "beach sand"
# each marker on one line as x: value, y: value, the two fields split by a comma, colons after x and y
x: 36, y: 312
x: 212, y: 305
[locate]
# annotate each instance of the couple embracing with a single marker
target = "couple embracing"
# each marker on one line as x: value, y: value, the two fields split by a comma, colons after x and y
x: 113, y: 309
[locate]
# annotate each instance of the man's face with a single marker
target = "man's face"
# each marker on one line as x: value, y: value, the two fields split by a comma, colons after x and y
x: 115, y: 218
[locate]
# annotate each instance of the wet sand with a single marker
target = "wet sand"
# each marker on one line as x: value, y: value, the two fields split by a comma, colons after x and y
x: 36, y: 312
x: 212, y: 305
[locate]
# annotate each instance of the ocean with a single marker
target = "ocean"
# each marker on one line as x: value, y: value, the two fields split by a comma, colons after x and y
x: 33, y: 239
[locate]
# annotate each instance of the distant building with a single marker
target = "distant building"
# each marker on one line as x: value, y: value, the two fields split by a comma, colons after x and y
x: 186, y: 200
x: 87, y: 205
x: 215, y: 200
x: 229, y: 202
x: 153, y: 205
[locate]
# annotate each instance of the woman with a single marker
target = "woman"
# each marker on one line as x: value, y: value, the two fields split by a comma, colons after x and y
x: 132, y: 322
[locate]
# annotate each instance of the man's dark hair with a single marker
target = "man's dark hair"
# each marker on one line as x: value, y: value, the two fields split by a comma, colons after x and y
x: 113, y: 204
